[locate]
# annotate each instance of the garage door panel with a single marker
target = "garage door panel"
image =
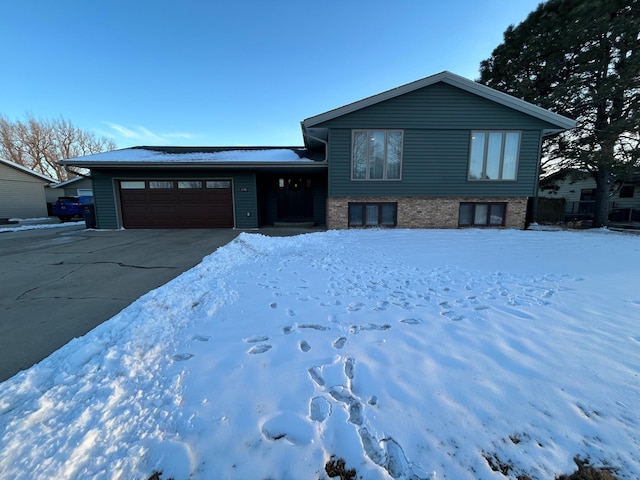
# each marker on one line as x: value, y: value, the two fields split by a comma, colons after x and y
x: 178, y: 207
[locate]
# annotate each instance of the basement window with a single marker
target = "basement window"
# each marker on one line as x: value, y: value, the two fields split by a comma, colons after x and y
x: 373, y: 214
x: 482, y: 214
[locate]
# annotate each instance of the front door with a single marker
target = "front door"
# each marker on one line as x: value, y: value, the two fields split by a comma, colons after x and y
x: 295, y: 198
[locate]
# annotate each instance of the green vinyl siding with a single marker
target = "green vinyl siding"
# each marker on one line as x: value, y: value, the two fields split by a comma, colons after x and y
x: 437, y: 122
x: 434, y: 163
x: 438, y: 106
x: 105, y: 191
x: 104, y: 200
x: 245, y: 200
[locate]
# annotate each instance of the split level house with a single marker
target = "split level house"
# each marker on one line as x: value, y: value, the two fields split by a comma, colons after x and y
x: 441, y: 152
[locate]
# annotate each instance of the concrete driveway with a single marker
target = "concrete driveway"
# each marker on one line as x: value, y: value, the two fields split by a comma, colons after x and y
x: 57, y: 284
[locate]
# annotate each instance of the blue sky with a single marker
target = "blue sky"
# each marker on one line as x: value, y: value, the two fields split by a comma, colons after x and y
x: 196, y: 72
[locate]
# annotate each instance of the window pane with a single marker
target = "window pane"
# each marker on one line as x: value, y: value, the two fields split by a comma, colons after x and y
x: 355, y: 215
x: 376, y: 155
x: 480, y: 217
x: 497, y: 214
x: 510, y: 162
x: 394, y: 155
x: 371, y: 214
x: 161, y: 184
x: 494, y: 149
x: 627, y: 191
x: 388, y: 214
x: 129, y: 185
x: 477, y: 155
x: 189, y: 184
x: 218, y: 184
x: 465, y: 216
x: 359, y: 155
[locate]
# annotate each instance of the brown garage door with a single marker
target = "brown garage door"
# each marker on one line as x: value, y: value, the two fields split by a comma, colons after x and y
x: 176, y: 203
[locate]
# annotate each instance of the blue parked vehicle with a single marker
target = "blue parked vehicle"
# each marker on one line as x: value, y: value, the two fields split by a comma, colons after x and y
x: 66, y: 208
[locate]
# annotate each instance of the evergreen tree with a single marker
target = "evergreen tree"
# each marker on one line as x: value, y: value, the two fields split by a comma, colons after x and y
x: 581, y: 59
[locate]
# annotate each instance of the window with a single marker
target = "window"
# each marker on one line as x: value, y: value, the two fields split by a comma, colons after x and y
x: 218, y: 184
x: 373, y: 214
x: 481, y: 214
x: 161, y: 184
x: 494, y: 155
x: 376, y: 154
x: 586, y: 195
x: 627, y: 191
x: 130, y: 185
x: 189, y: 184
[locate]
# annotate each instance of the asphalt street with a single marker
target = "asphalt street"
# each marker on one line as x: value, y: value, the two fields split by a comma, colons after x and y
x: 57, y: 284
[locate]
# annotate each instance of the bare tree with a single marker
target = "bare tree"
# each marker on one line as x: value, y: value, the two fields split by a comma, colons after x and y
x: 39, y: 144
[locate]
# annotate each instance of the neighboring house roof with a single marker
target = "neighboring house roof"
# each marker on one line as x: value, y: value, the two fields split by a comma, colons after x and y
x: 71, y: 181
x: 202, y: 156
x: 28, y: 171
x: 559, y: 121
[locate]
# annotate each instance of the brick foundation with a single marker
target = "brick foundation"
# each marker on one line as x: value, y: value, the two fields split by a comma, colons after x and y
x: 426, y: 212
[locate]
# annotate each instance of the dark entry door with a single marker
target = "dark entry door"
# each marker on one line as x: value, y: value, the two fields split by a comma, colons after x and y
x: 295, y: 198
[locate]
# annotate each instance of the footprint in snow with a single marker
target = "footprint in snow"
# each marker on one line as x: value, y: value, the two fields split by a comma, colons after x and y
x: 339, y: 343
x: 181, y: 357
x: 313, y: 326
x: 349, y: 367
x: 319, y: 409
x: 355, y: 306
x: 256, y: 339
x: 411, y: 321
x: 259, y: 349
x: 316, y: 375
x: 201, y: 338
x: 304, y: 346
x: 451, y: 315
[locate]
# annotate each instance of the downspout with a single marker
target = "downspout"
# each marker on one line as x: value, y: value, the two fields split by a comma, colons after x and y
x: 326, y: 142
x: 534, y: 203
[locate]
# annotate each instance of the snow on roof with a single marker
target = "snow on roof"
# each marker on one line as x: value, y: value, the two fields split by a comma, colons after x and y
x: 192, y: 155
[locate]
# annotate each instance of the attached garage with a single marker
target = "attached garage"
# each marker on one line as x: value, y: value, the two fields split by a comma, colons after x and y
x: 168, y: 203
x: 206, y: 187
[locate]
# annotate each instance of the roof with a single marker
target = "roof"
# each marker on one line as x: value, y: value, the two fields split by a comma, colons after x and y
x: 168, y: 156
x: 28, y: 171
x: 70, y: 181
x: 562, y: 122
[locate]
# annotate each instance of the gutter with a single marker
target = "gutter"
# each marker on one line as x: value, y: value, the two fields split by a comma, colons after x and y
x: 318, y: 139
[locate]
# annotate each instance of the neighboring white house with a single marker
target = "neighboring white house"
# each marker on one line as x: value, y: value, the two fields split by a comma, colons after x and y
x: 577, y: 189
x: 22, y: 191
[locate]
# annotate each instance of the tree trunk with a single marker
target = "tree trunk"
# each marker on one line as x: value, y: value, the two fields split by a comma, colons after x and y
x: 601, y: 207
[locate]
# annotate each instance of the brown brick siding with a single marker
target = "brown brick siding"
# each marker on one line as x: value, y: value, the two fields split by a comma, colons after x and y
x: 426, y: 212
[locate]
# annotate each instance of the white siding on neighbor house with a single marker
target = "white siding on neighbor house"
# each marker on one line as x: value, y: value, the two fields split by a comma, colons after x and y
x: 571, y: 189
x: 21, y: 194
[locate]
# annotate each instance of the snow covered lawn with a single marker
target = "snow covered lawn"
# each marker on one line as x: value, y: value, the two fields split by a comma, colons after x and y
x: 409, y: 354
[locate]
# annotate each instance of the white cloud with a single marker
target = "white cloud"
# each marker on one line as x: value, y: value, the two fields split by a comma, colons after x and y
x: 142, y: 135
